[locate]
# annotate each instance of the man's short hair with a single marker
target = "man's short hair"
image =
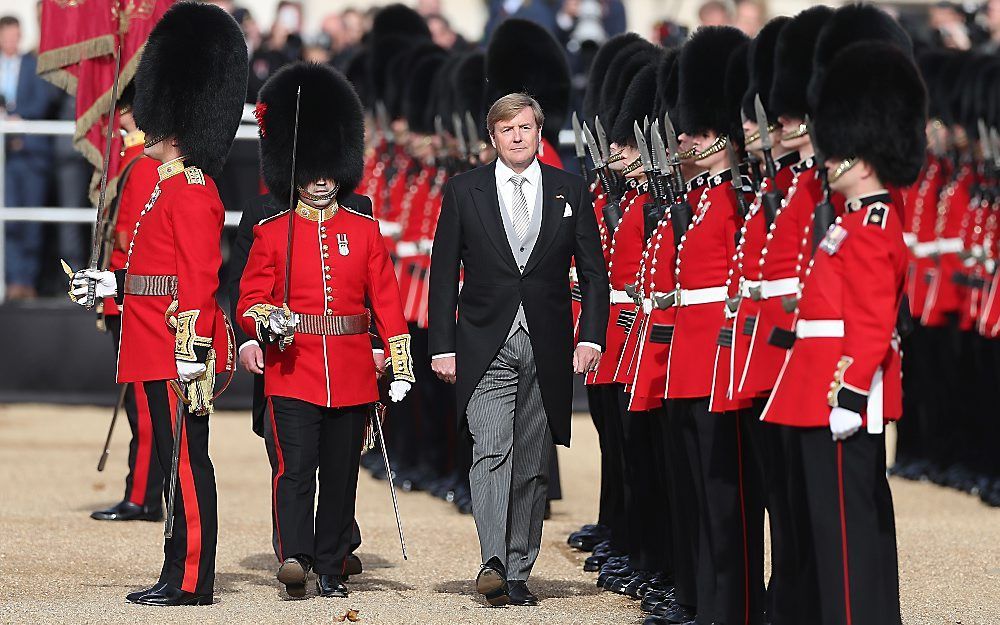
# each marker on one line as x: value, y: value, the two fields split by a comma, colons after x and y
x: 9, y: 20
x: 507, y: 108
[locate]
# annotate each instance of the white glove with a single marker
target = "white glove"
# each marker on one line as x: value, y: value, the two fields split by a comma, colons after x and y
x: 398, y: 390
x: 281, y: 325
x: 844, y: 423
x: 188, y: 371
x: 105, y: 285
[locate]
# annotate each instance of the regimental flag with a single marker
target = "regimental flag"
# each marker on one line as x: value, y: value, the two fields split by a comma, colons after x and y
x: 77, y: 53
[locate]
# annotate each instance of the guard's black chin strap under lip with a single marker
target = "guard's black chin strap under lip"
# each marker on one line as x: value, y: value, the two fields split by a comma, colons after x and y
x: 311, y: 197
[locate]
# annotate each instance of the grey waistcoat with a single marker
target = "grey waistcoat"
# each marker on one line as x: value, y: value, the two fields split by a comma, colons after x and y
x: 522, y: 250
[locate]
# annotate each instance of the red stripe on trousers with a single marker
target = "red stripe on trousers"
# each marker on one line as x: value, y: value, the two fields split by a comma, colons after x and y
x: 277, y: 476
x: 192, y: 516
x: 843, y: 528
x: 144, y: 449
x: 743, y: 518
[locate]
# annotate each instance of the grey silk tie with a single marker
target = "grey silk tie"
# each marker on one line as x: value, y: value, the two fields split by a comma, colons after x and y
x: 521, y: 216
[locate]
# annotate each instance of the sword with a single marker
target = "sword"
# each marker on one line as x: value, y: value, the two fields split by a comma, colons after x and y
x: 111, y: 428
x: 95, y: 249
x: 771, y: 199
x: 285, y: 341
x: 581, y: 156
x: 175, y: 458
x: 392, y: 487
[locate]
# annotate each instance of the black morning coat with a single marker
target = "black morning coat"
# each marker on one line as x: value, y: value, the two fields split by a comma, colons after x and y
x: 470, y: 233
x: 256, y: 210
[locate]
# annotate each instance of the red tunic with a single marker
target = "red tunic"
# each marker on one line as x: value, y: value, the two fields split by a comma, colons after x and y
x: 622, y: 265
x: 921, y: 208
x: 630, y: 242
x: 336, y: 262
x: 856, y: 279
x: 138, y: 186
x: 943, y: 295
x: 178, y: 233
x: 709, y: 246
x: 409, y: 251
x: 780, y: 262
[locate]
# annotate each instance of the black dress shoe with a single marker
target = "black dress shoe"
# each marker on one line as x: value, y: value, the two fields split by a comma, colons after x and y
x: 519, y: 593
x: 128, y: 511
x: 676, y: 613
x: 292, y: 573
x: 492, y: 583
x: 167, y: 595
x: 132, y: 597
x: 352, y: 565
x: 331, y: 586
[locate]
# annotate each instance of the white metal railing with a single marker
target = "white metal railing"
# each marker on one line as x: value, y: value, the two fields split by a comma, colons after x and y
x: 47, y: 214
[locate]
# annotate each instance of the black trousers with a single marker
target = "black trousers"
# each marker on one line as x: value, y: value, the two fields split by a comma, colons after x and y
x: 144, y: 482
x: 605, y: 410
x: 791, y: 592
x: 730, y: 561
x: 302, y: 437
x: 853, y: 527
x: 684, y: 509
x: 189, y: 556
x: 645, y: 495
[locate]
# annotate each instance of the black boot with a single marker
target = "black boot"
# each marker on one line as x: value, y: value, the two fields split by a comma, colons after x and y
x: 128, y: 511
x: 331, y: 586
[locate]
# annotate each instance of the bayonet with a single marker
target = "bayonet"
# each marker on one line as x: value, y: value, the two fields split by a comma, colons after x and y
x: 770, y: 201
x: 595, y: 155
x: 661, y: 164
x: 824, y: 214
x: 737, y: 181
x: 675, y: 156
x: 382, y: 116
x: 475, y: 143
x: 654, y: 210
x: 456, y: 125
x: 995, y: 140
x: 602, y: 141
x: 640, y: 142
x: 581, y: 154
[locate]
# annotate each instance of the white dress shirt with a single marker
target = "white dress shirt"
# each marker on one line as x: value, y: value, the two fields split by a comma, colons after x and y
x: 505, y: 188
x: 505, y: 192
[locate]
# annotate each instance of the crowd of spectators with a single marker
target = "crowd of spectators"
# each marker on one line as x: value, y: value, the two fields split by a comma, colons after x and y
x: 47, y: 171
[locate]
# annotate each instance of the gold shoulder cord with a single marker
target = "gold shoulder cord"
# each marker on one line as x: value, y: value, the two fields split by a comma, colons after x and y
x: 399, y: 356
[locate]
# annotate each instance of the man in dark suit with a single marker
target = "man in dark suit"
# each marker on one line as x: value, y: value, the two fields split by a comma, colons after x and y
x: 251, y: 355
x: 515, y: 226
x: 23, y: 95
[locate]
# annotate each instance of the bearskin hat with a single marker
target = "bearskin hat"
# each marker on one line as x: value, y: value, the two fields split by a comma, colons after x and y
x: 946, y: 86
x: 418, y: 97
x: 702, y: 102
x: 872, y: 105
x: 793, y: 53
x: 192, y: 82
x: 931, y: 64
x: 331, y: 129
x: 850, y: 24
x: 599, y: 70
x: 444, y: 98
x: 666, y: 92
x: 760, y: 64
x: 126, y: 98
x: 672, y: 92
x: 737, y: 82
x: 357, y: 72
x: 974, y: 93
x: 621, y: 72
x: 545, y: 77
x: 636, y: 106
x: 395, y: 29
x: 397, y: 75
x: 467, y: 81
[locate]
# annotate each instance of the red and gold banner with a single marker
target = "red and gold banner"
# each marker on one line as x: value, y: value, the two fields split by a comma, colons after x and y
x: 76, y: 53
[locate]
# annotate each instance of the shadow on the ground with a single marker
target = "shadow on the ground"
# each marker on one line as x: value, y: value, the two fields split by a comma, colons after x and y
x: 365, y: 583
x: 544, y: 588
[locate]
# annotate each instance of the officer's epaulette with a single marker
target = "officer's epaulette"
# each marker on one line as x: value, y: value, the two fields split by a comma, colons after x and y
x: 194, y: 175
x: 354, y: 212
x: 876, y: 215
x: 272, y: 217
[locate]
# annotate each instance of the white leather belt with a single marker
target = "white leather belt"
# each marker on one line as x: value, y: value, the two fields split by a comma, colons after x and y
x: 405, y: 249
x: 925, y: 249
x: 949, y: 246
x: 709, y: 295
x: 910, y: 239
x: 426, y: 246
x: 747, y: 285
x: 389, y: 228
x: 819, y: 328
x: 778, y: 288
x: 620, y: 297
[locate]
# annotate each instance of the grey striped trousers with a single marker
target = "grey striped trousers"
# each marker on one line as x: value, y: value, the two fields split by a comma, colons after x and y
x: 511, y: 443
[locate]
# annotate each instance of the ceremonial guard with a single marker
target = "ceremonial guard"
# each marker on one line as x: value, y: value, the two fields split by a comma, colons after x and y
x: 303, y: 294
x: 842, y: 376
x: 143, y: 500
x: 729, y: 581
x: 190, y: 88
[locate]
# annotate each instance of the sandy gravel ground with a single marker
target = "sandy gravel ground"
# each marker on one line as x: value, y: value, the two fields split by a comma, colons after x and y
x: 58, y: 566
